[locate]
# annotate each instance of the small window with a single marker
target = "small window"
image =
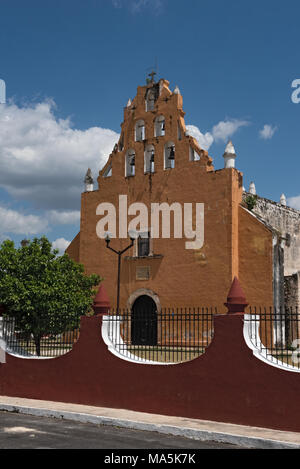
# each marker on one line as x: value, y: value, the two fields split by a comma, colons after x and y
x: 194, y: 155
x: 130, y: 163
x: 108, y: 172
x: 143, y: 246
x: 140, y: 131
x: 159, y: 126
x: 150, y: 100
x: 169, y: 155
x: 149, y: 159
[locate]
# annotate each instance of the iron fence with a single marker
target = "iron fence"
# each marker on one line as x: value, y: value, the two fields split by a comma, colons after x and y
x: 172, y: 335
x: 169, y: 336
x: 275, y: 334
x: 22, y: 343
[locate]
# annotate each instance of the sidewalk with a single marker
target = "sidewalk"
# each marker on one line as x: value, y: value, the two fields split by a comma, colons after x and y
x: 248, y: 437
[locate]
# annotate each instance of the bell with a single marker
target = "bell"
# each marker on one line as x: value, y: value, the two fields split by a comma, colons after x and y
x: 132, y: 161
x: 152, y: 157
x: 172, y: 154
x: 163, y: 126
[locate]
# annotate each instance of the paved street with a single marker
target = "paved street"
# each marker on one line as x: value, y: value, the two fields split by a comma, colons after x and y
x: 19, y: 431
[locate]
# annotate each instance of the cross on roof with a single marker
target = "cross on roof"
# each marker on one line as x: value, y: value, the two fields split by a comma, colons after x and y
x: 152, y: 75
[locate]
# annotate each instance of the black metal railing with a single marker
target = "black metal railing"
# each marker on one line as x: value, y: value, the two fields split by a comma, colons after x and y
x: 22, y: 343
x: 275, y: 333
x: 173, y: 335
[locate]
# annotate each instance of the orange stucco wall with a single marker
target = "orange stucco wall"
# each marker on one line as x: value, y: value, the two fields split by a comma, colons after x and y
x: 73, y: 248
x: 178, y: 276
x: 181, y: 277
x: 255, y: 260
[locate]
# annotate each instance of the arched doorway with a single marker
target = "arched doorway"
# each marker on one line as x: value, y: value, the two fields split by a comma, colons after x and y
x: 144, y: 321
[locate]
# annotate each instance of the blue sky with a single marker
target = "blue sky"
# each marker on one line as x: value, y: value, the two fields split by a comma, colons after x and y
x: 70, y: 67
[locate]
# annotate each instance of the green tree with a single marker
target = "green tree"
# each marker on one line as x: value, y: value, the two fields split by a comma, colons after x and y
x: 45, y: 293
x: 251, y: 201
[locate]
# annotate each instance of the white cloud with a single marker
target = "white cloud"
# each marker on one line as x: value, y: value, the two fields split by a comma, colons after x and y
x: 56, y: 217
x: 225, y: 129
x: 15, y: 222
x: 43, y: 159
x: 294, y: 202
x: 137, y: 6
x: 267, y: 132
x: 204, y: 140
x: 221, y: 131
x: 61, y: 244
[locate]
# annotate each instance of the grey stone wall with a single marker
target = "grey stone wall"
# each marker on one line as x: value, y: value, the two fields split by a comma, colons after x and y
x: 291, y: 290
x: 292, y: 296
x: 286, y: 220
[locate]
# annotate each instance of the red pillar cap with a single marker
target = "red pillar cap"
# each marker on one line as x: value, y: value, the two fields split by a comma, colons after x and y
x: 101, y: 303
x: 236, y: 299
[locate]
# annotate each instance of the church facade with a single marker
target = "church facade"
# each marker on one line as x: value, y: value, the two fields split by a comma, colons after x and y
x: 156, y: 162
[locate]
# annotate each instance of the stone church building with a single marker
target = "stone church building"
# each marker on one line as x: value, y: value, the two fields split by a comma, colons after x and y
x: 155, y: 161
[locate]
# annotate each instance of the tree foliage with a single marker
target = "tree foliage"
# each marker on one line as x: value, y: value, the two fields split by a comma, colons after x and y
x: 45, y: 293
x: 251, y: 201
